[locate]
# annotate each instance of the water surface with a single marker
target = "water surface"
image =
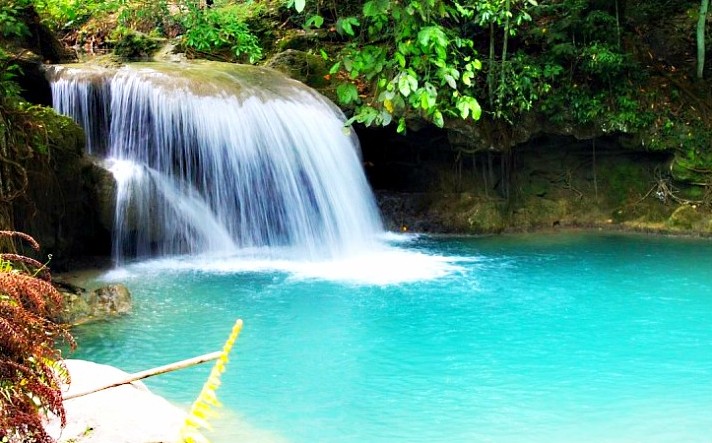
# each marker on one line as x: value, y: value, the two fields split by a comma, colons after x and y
x: 554, y: 338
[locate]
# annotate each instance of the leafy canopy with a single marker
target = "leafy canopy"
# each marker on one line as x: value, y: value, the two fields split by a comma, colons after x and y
x: 412, y: 59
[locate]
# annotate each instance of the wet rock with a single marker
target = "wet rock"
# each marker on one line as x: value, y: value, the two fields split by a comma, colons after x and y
x: 104, y: 186
x: 83, y: 306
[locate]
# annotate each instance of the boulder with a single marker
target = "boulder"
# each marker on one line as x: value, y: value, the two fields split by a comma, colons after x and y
x: 83, y: 306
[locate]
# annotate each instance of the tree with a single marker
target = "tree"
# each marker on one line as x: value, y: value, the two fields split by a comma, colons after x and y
x: 701, y: 24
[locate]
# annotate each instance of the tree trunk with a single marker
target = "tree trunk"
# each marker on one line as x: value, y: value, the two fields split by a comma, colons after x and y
x: 490, y: 73
x: 701, y: 23
x: 502, y: 77
x: 130, y: 378
x: 618, y: 26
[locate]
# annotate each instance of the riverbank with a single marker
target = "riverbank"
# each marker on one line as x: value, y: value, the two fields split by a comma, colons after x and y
x: 125, y: 414
x: 467, y: 213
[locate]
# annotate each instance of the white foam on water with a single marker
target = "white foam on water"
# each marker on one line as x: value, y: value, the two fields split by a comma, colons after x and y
x: 385, y: 265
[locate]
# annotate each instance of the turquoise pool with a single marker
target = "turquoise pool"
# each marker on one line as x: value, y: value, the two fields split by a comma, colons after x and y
x: 586, y: 337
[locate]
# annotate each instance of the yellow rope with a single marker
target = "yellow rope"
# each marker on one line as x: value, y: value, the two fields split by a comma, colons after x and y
x: 201, y: 410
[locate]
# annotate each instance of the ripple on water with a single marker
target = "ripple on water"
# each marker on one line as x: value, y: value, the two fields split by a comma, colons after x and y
x: 499, y: 340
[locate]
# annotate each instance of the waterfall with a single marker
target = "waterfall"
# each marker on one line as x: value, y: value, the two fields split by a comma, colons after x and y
x: 213, y: 158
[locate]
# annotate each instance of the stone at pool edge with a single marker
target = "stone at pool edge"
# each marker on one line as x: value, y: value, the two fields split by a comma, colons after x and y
x: 84, y: 306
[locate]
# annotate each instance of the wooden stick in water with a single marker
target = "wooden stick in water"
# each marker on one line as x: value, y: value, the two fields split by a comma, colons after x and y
x: 149, y: 373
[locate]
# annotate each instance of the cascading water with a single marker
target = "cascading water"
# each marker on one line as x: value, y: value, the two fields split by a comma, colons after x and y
x: 215, y: 158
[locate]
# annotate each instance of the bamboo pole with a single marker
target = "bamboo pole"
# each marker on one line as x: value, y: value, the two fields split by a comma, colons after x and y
x: 149, y: 373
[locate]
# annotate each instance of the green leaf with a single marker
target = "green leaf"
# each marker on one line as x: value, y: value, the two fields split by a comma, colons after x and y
x: 400, y: 59
x: 375, y: 8
x: 469, y: 106
x: 299, y: 5
x: 401, y: 126
x: 405, y: 83
x: 315, y: 20
x: 346, y: 26
x: 450, y: 80
x: 438, y: 119
x: 432, y: 34
x: 347, y: 93
x: 424, y: 104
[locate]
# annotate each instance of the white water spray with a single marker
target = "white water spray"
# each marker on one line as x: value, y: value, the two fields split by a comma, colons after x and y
x: 214, y: 158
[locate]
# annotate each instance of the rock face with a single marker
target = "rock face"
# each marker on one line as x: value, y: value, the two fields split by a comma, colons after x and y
x: 424, y: 185
x: 59, y: 204
x: 63, y: 204
x: 39, y: 46
x: 83, y: 306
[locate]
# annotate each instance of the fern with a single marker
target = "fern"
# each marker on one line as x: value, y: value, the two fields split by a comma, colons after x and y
x: 31, y: 371
x: 202, y: 408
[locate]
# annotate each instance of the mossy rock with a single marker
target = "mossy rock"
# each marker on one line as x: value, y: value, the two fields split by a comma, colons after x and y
x: 536, y: 212
x: 687, y: 171
x: 85, y: 306
x: 109, y: 61
x: 132, y: 45
x: 299, y: 40
x: 684, y: 217
x: 308, y: 68
x: 470, y: 214
x: 648, y: 211
x: 53, y: 132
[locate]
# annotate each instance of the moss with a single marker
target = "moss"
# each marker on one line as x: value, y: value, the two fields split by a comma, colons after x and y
x: 536, y: 212
x: 686, y: 170
x: 51, y: 131
x: 307, y: 68
x: 470, y: 214
x: 684, y: 217
x: 623, y: 180
x: 134, y: 45
x: 645, y: 211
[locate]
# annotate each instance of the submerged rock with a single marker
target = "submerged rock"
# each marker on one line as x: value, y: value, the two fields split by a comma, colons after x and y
x: 83, y: 306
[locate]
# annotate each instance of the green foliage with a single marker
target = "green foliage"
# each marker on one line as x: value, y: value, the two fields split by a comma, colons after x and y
x: 525, y: 80
x: 132, y: 45
x: 146, y: 16
x: 594, y: 82
x: 409, y: 59
x: 11, y: 24
x: 9, y: 89
x: 66, y: 14
x: 215, y: 30
x: 419, y: 59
